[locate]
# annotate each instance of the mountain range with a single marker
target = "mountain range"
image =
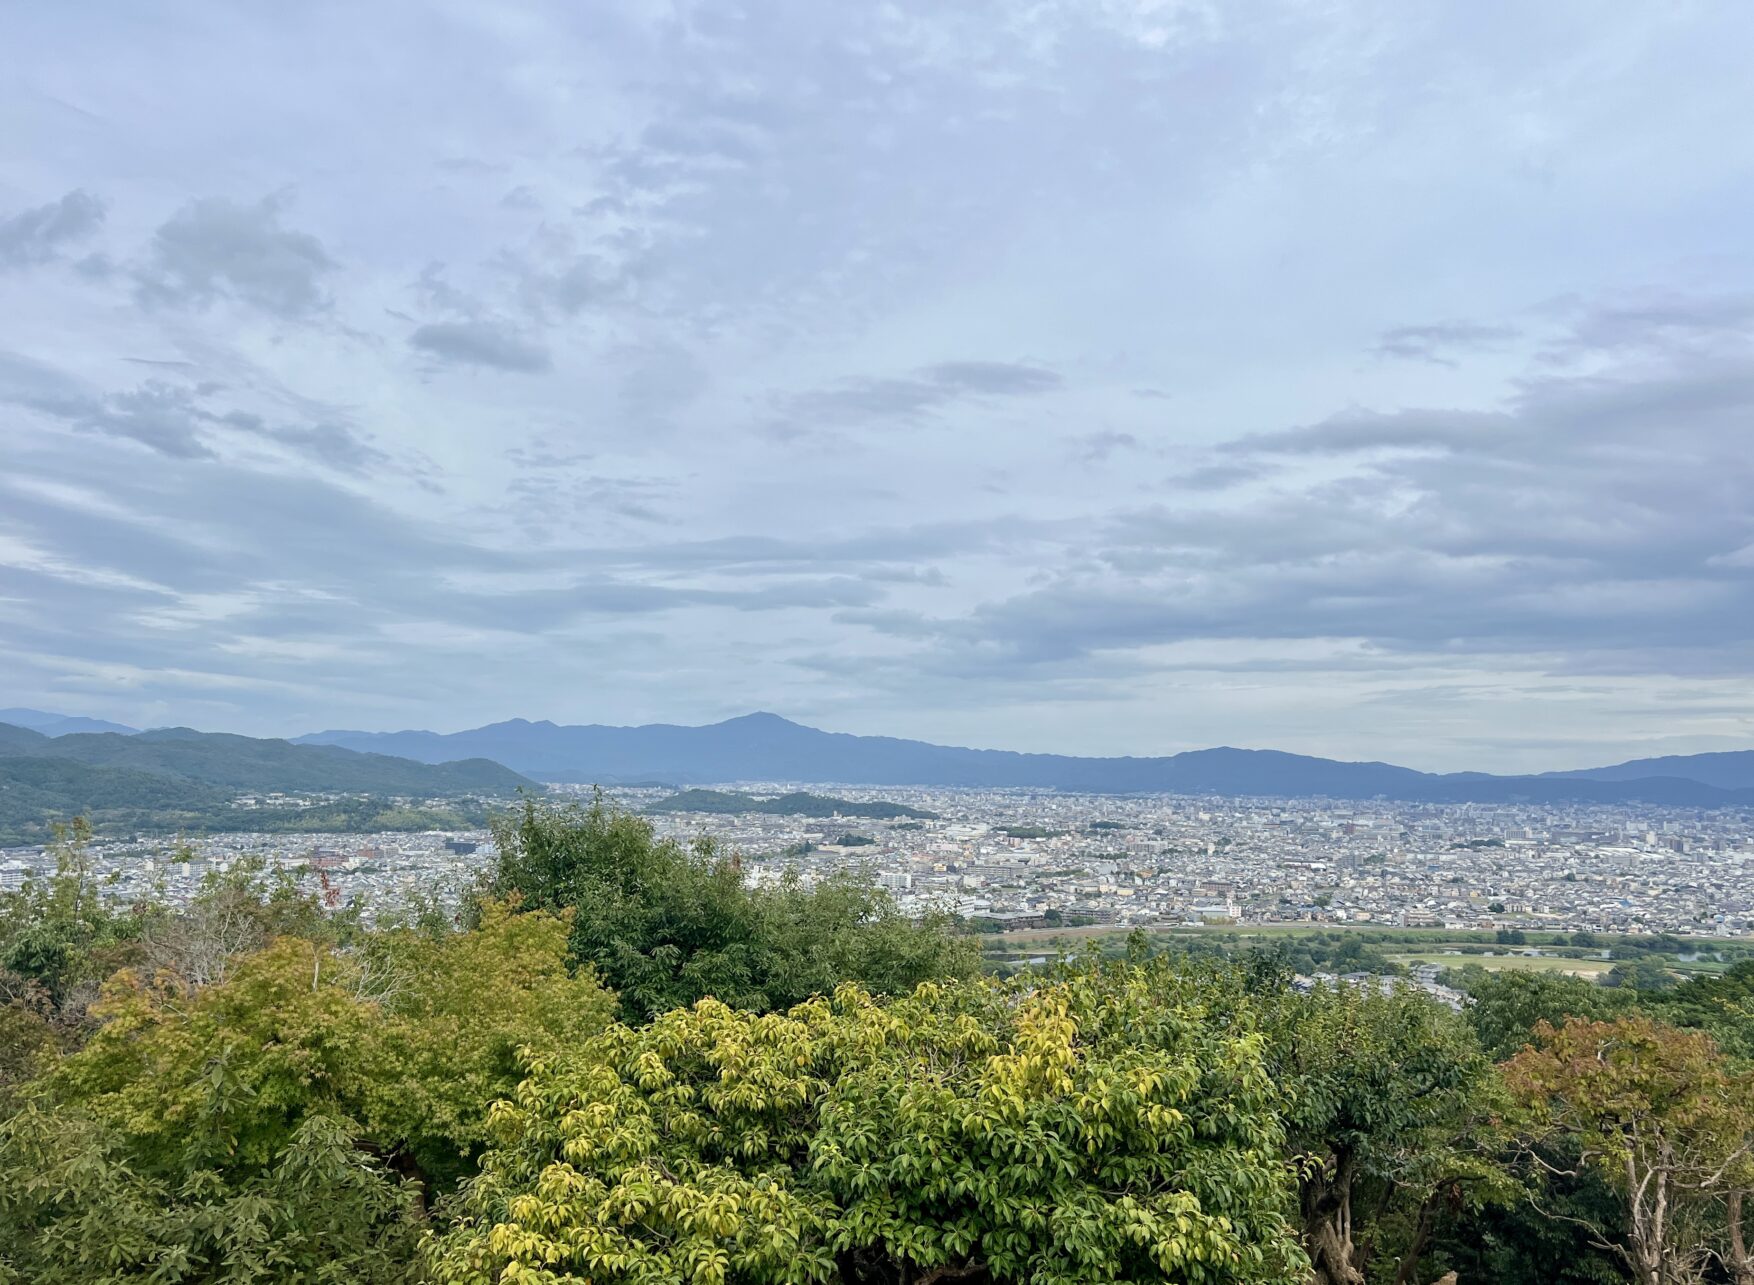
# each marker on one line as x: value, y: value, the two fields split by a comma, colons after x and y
x: 766, y: 747
x: 62, y: 764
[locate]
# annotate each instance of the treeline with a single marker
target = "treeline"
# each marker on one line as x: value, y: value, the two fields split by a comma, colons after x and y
x: 618, y: 1061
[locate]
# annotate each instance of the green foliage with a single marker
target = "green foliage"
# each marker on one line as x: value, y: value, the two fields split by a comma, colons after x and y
x: 1105, y: 1127
x: 264, y: 1090
x: 665, y: 925
x: 1389, y: 1118
x: 456, y: 1012
x: 1722, y: 1005
x: 1520, y: 1242
x: 1639, y: 975
x: 1507, y: 1006
x: 77, y: 1209
x: 412, y: 1038
x: 58, y: 940
x: 1339, y: 952
x: 336, y: 1073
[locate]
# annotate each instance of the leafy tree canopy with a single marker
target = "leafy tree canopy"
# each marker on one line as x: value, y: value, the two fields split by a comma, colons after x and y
x: 665, y: 925
x: 1388, y: 1119
x: 311, y: 1090
x: 1103, y: 1127
x: 1655, y: 1112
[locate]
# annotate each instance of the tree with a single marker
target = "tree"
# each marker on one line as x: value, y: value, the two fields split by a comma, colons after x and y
x: 1511, y: 1241
x: 1737, y: 1253
x: 313, y: 1096
x: 58, y: 935
x: 1507, y: 1006
x: 78, y: 1209
x: 454, y: 1012
x: 665, y: 925
x: 1514, y: 1242
x: 1103, y: 1127
x: 1388, y: 1121
x: 1722, y: 1004
x: 235, y: 912
x: 1639, y: 975
x: 1656, y: 1112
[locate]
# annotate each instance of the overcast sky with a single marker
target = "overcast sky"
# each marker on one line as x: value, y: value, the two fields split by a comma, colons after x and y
x: 1107, y: 376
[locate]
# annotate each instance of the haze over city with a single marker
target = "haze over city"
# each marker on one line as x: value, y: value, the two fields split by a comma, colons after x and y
x: 1123, y: 378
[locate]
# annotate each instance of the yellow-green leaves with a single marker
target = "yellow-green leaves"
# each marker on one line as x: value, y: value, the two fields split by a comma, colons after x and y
x: 1044, y: 1136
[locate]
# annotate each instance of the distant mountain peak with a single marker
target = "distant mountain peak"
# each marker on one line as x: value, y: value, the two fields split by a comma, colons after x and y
x: 50, y: 724
x: 761, y: 718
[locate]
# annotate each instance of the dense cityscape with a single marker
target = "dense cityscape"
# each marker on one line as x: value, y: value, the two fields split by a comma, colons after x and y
x: 1023, y: 859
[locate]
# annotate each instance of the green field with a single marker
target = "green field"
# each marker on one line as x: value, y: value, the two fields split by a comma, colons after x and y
x: 1510, y: 963
x: 1448, y: 948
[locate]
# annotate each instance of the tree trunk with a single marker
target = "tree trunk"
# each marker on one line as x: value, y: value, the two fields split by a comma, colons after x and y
x: 1421, y: 1234
x: 1327, y: 1226
x: 1739, y: 1259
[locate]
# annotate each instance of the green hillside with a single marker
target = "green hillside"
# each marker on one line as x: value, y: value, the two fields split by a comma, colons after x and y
x: 179, y: 779
x: 797, y: 804
x: 246, y: 763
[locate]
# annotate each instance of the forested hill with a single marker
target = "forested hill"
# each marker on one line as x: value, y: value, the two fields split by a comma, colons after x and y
x: 245, y: 763
x: 1728, y: 770
x: 765, y: 747
x: 175, y: 776
x: 789, y: 805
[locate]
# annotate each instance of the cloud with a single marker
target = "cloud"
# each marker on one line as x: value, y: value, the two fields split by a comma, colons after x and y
x: 335, y: 445
x: 1652, y: 322
x: 471, y: 165
x: 276, y: 583
x: 481, y: 343
x: 862, y: 400
x: 1218, y: 477
x: 1095, y: 447
x: 172, y: 419
x: 991, y: 378
x: 36, y: 236
x: 158, y: 416
x: 1439, y: 342
x: 1593, y: 523
x: 1360, y: 429
x: 215, y: 248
